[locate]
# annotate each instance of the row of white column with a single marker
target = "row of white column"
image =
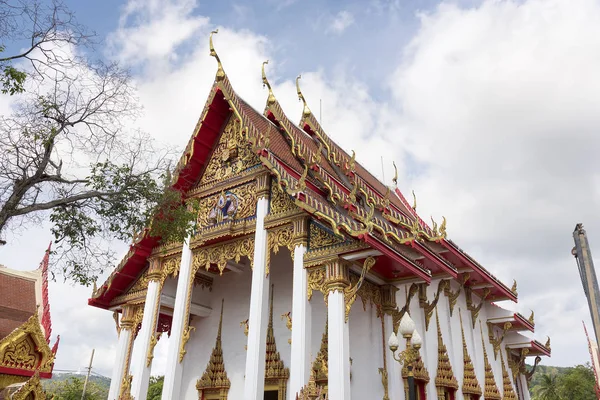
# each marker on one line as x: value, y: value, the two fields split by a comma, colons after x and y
x: 339, y: 349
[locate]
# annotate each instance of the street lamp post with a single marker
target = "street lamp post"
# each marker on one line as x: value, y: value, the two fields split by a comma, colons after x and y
x: 408, y: 356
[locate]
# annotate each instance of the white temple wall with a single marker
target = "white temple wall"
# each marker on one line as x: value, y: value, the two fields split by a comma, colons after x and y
x: 235, y: 289
x: 365, y: 351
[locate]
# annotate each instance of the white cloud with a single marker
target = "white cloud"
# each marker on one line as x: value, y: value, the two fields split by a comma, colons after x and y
x: 340, y: 22
x: 493, y: 122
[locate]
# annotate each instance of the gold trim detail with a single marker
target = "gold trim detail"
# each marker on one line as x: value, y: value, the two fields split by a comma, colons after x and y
x: 490, y: 389
x: 444, y: 378
x: 497, y: 341
x: 320, y: 365
x: 221, y: 253
x: 319, y: 238
x: 470, y: 384
x: 26, y: 348
x: 508, y: 392
x: 531, y: 318
x: 220, y: 72
x: 125, y: 392
x: 288, y: 323
x: 471, y: 306
x: 311, y: 391
x: 276, y: 238
x: 350, y: 292
x: 513, y: 289
x: 452, y: 296
x: 397, y: 314
x: 31, y: 390
x: 215, y: 380
x: 275, y: 371
x: 316, y: 281
x: 429, y: 307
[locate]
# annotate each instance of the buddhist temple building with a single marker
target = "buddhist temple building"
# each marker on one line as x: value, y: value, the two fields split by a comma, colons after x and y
x: 302, y: 266
x: 25, y: 330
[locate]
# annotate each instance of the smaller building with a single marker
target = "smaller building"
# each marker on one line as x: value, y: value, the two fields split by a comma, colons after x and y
x: 25, y: 329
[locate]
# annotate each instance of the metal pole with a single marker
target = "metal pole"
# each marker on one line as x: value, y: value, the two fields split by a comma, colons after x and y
x: 88, y: 376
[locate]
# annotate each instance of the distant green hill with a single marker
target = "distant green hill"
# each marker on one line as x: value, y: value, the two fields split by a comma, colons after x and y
x: 563, y: 383
x: 68, y: 386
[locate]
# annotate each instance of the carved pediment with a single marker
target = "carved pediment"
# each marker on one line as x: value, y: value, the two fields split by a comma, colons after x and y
x: 231, y: 156
x: 31, y: 390
x: 26, y: 348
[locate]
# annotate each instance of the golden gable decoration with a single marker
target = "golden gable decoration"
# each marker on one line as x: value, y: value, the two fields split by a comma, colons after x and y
x: 320, y: 238
x: 276, y: 375
x: 320, y: 365
x: 508, y: 392
x: 470, y: 384
x: 26, y: 348
x: 490, y: 389
x: 214, y: 383
x: 445, y: 381
x: 231, y: 156
x: 235, y: 203
x: 31, y: 390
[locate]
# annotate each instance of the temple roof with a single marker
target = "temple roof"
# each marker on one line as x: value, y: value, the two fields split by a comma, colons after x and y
x: 21, y: 293
x: 327, y: 183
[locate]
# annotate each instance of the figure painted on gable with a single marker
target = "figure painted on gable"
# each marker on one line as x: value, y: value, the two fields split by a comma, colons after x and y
x: 225, y: 208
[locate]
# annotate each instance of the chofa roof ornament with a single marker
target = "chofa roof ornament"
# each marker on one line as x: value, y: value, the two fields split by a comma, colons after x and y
x: 213, y: 53
x: 271, y: 100
x: 305, y: 110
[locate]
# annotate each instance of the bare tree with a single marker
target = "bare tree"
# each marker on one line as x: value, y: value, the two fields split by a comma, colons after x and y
x: 65, y: 152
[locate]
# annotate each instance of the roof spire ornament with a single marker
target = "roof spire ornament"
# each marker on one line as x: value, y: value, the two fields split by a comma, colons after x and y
x: 305, y: 110
x: 414, y: 207
x: 213, y: 53
x: 271, y: 100
x: 395, y: 180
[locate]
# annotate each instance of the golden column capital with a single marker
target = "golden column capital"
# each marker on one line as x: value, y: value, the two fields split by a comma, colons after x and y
x: 388, y: 298
x: 337, y: 275
x: 300, y: 232
x: 262, y: 186
x: 128, y: 316
x: 154, y: 270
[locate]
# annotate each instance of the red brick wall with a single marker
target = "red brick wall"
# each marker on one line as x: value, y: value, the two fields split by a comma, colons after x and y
x: 17, y: 302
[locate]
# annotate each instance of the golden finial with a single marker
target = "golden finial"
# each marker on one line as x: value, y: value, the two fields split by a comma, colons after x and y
x: 513, y: 289
x: 443, y: 228
x: 213, y: 53
x: 352, y: 162
x: 530, y: 319
x: 220, y: 321
x: 305, y: 110
x: 547, y: 345
x: 271, y: 99
x: 395, y: 180
x: 434, y: 227
x: 414, y: 201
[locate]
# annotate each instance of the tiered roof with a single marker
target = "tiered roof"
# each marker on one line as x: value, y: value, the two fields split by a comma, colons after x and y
x: 324, y: 181
x: 274, y: 367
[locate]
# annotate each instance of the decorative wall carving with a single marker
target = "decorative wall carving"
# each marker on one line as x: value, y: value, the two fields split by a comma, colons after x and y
x: 490, y: 388
x: 471, y: 306
x: 427, y: 306
x: 276, y: 238
x: 31, y: 390
x: 231, y: 156
x: 26, y: 348
x: 444, y: 380
x: 235, y: 203
x: 214, y: 381
x: 319, y: 238
x: 508, y: 392
x: 221, y: 253
x: 276, y: 374
x: 470, y: 385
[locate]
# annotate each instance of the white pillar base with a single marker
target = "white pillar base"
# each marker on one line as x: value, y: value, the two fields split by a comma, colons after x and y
x: 338, y: 384
x: 121, y: 360
x: 173, y: 368
x: 254, y: 384
x: 301, y: 326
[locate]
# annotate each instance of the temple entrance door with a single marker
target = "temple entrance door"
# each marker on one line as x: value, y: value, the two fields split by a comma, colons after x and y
x: 271, y: 395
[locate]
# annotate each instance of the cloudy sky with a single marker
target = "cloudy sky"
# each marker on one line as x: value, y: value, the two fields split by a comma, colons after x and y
x: 489, y: 108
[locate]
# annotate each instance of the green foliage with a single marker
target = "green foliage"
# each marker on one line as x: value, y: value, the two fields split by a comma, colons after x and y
x: 72, y: 389
x: 11, y: 79
x: 556, y: 383
x: 155, y: 387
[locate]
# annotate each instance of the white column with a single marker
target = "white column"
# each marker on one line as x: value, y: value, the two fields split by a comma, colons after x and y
x: 338, y: 384
x: 120, y: 364
x: 524, y: 388
x: 139, y: 386
x: 301, y: 326
x: 173, y: 367
x: 395, y: 387
x: 254, y: 384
